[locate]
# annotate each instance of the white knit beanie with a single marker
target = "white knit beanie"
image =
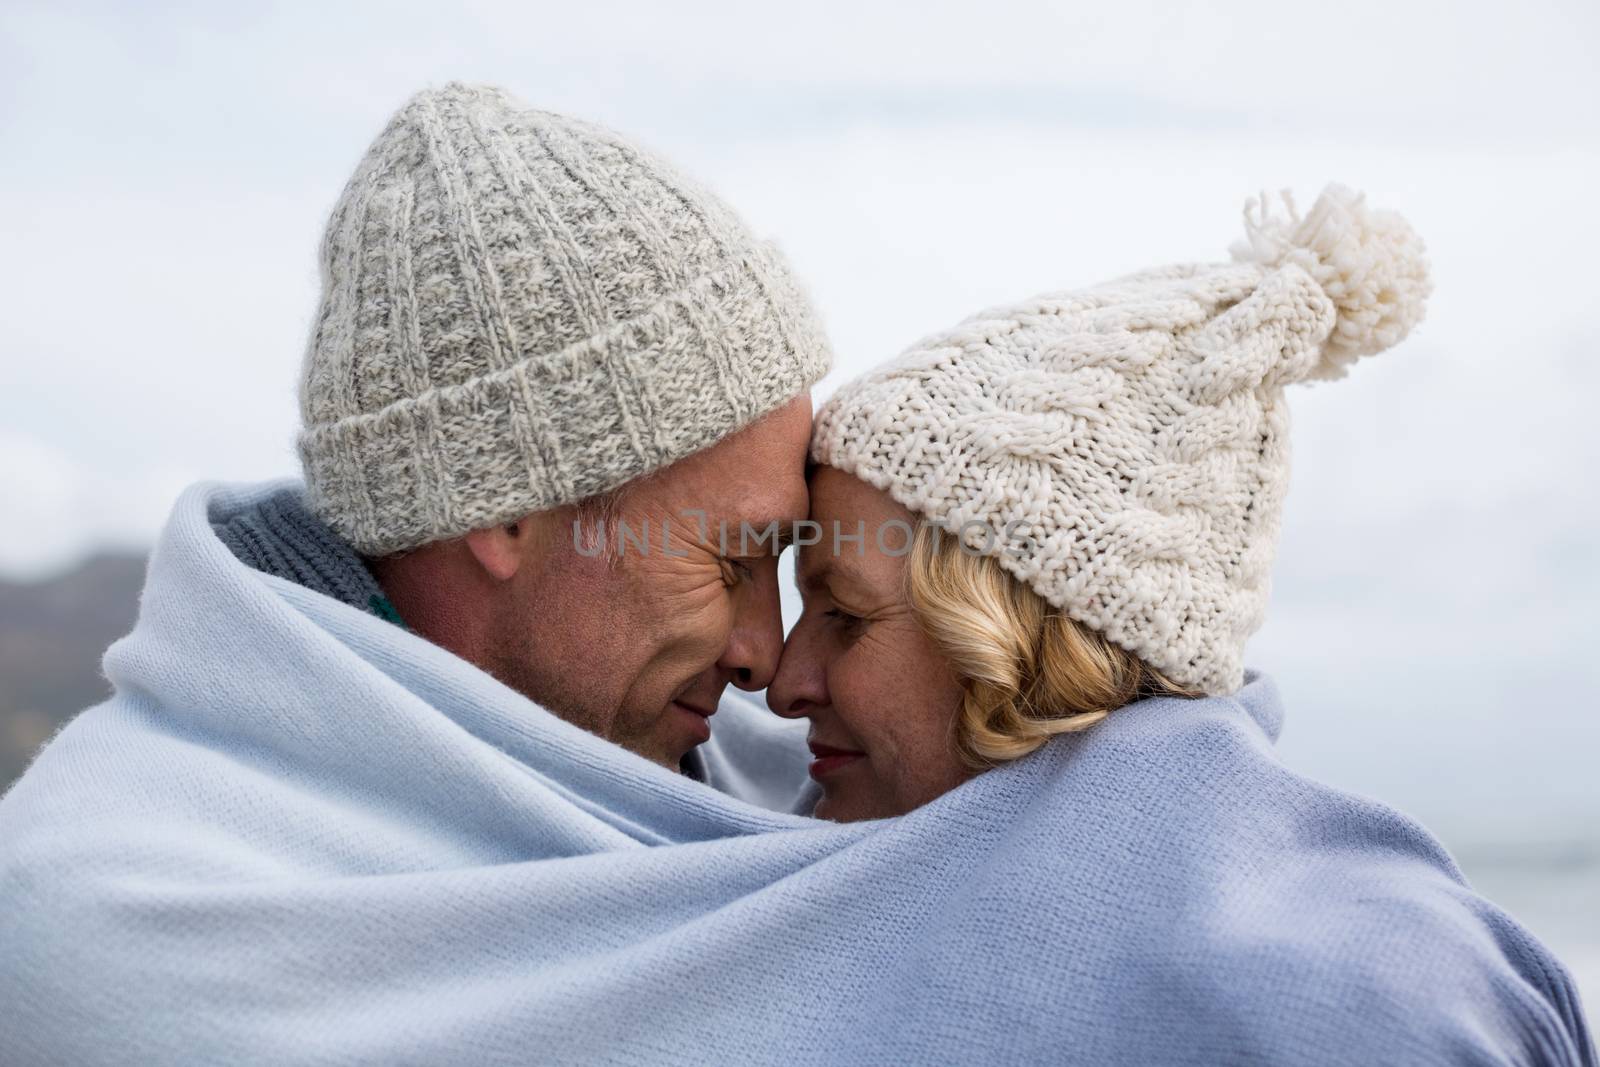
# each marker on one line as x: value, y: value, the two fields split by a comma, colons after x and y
x: 521, y: 310
x: 1123, y: 449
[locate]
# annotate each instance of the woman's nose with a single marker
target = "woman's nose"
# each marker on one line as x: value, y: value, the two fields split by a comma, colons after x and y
x: 800, y: 684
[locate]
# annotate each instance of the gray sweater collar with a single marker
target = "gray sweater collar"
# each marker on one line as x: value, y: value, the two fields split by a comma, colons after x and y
x: 282, y: 537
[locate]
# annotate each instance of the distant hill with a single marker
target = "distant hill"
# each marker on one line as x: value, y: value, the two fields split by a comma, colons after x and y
x: 52, y: 635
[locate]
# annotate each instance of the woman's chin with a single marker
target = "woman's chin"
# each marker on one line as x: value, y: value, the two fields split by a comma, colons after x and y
x: 845, y: 803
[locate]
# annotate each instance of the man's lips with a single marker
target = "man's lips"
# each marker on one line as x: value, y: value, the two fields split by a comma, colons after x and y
x: 827, y: 759
x: 697, y: 719
x: 704, y: 713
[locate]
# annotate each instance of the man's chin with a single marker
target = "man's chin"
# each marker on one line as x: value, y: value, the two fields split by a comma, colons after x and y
x: 678, y: 731
x: 685, y: 727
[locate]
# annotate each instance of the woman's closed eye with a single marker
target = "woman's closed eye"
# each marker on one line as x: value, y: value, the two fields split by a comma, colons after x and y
x: 846, y: 620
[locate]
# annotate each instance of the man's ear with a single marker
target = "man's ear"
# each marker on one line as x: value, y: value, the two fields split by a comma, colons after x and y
x: 501, y: 550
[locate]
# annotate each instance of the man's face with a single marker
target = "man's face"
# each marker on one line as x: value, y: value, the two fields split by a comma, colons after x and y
x: 637, y: 642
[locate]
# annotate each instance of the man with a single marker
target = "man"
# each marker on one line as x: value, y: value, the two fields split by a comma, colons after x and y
x: 529, y: 324
x: 556, y: 410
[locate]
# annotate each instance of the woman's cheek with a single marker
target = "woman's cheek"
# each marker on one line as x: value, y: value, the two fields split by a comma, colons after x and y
x: 876, y: 695
x: 852, y: 688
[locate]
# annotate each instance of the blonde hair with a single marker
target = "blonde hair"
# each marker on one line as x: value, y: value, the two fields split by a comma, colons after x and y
x: 1027, y: 671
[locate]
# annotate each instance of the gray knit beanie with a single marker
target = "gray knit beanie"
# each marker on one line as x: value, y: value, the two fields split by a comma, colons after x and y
x: 521, y: 310
x: 1123, y: 449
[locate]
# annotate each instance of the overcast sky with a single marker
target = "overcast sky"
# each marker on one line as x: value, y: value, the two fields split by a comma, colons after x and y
x: 167, y: 170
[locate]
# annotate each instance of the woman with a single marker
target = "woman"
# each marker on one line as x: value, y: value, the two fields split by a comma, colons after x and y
x: 921, y: 669
x: 1096, y: 480
x: 1056, y: 521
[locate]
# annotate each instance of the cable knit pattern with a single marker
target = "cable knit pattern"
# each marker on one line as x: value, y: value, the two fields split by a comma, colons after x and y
x: 1137, y: 431
x: 521, y: 310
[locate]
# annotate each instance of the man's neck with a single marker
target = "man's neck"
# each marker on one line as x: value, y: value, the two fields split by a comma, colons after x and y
x: 280, y: 536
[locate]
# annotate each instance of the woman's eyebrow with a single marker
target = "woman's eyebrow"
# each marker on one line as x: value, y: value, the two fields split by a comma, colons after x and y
x: 809, y: 575
x: 832, y: 572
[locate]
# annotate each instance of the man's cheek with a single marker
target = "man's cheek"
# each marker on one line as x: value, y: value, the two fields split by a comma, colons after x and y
x: 708, y: 630
x: 689, y: 635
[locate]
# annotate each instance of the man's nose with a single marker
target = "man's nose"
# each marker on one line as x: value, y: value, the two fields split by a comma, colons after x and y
x: 755, y: 643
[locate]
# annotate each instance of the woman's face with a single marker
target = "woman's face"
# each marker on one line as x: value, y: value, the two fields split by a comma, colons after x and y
x: 881, y: 700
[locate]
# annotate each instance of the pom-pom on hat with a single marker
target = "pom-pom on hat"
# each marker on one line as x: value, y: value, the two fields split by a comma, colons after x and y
x: 1123, y: 449
x: 1369, y: 263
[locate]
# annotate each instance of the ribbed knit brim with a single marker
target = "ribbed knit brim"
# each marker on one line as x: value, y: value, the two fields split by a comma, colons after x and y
x: 521, y: 310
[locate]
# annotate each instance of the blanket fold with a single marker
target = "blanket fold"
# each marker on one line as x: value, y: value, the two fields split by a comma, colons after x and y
x: 297, y: 833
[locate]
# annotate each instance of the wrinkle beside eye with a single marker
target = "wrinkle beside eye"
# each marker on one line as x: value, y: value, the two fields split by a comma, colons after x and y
x: 735, y: 571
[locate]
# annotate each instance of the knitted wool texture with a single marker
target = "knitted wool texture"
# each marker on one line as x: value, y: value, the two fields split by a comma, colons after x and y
x: 305, y: 836
x: 1123, y: 449
x: 521, y: 310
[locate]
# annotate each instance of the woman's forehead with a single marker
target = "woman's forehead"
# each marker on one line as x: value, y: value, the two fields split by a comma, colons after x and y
x: 839, y: 496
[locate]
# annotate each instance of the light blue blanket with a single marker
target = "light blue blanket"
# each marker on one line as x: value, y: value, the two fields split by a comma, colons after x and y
x: 299, y: 834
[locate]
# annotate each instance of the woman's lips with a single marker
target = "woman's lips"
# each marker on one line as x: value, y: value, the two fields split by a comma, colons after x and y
x: 827, y: 759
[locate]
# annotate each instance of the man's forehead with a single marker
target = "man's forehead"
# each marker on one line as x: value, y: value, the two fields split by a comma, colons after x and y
x: 730, y: 497
x: 762, y: 502
x: 757, y: 523
x: 759, y: 514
